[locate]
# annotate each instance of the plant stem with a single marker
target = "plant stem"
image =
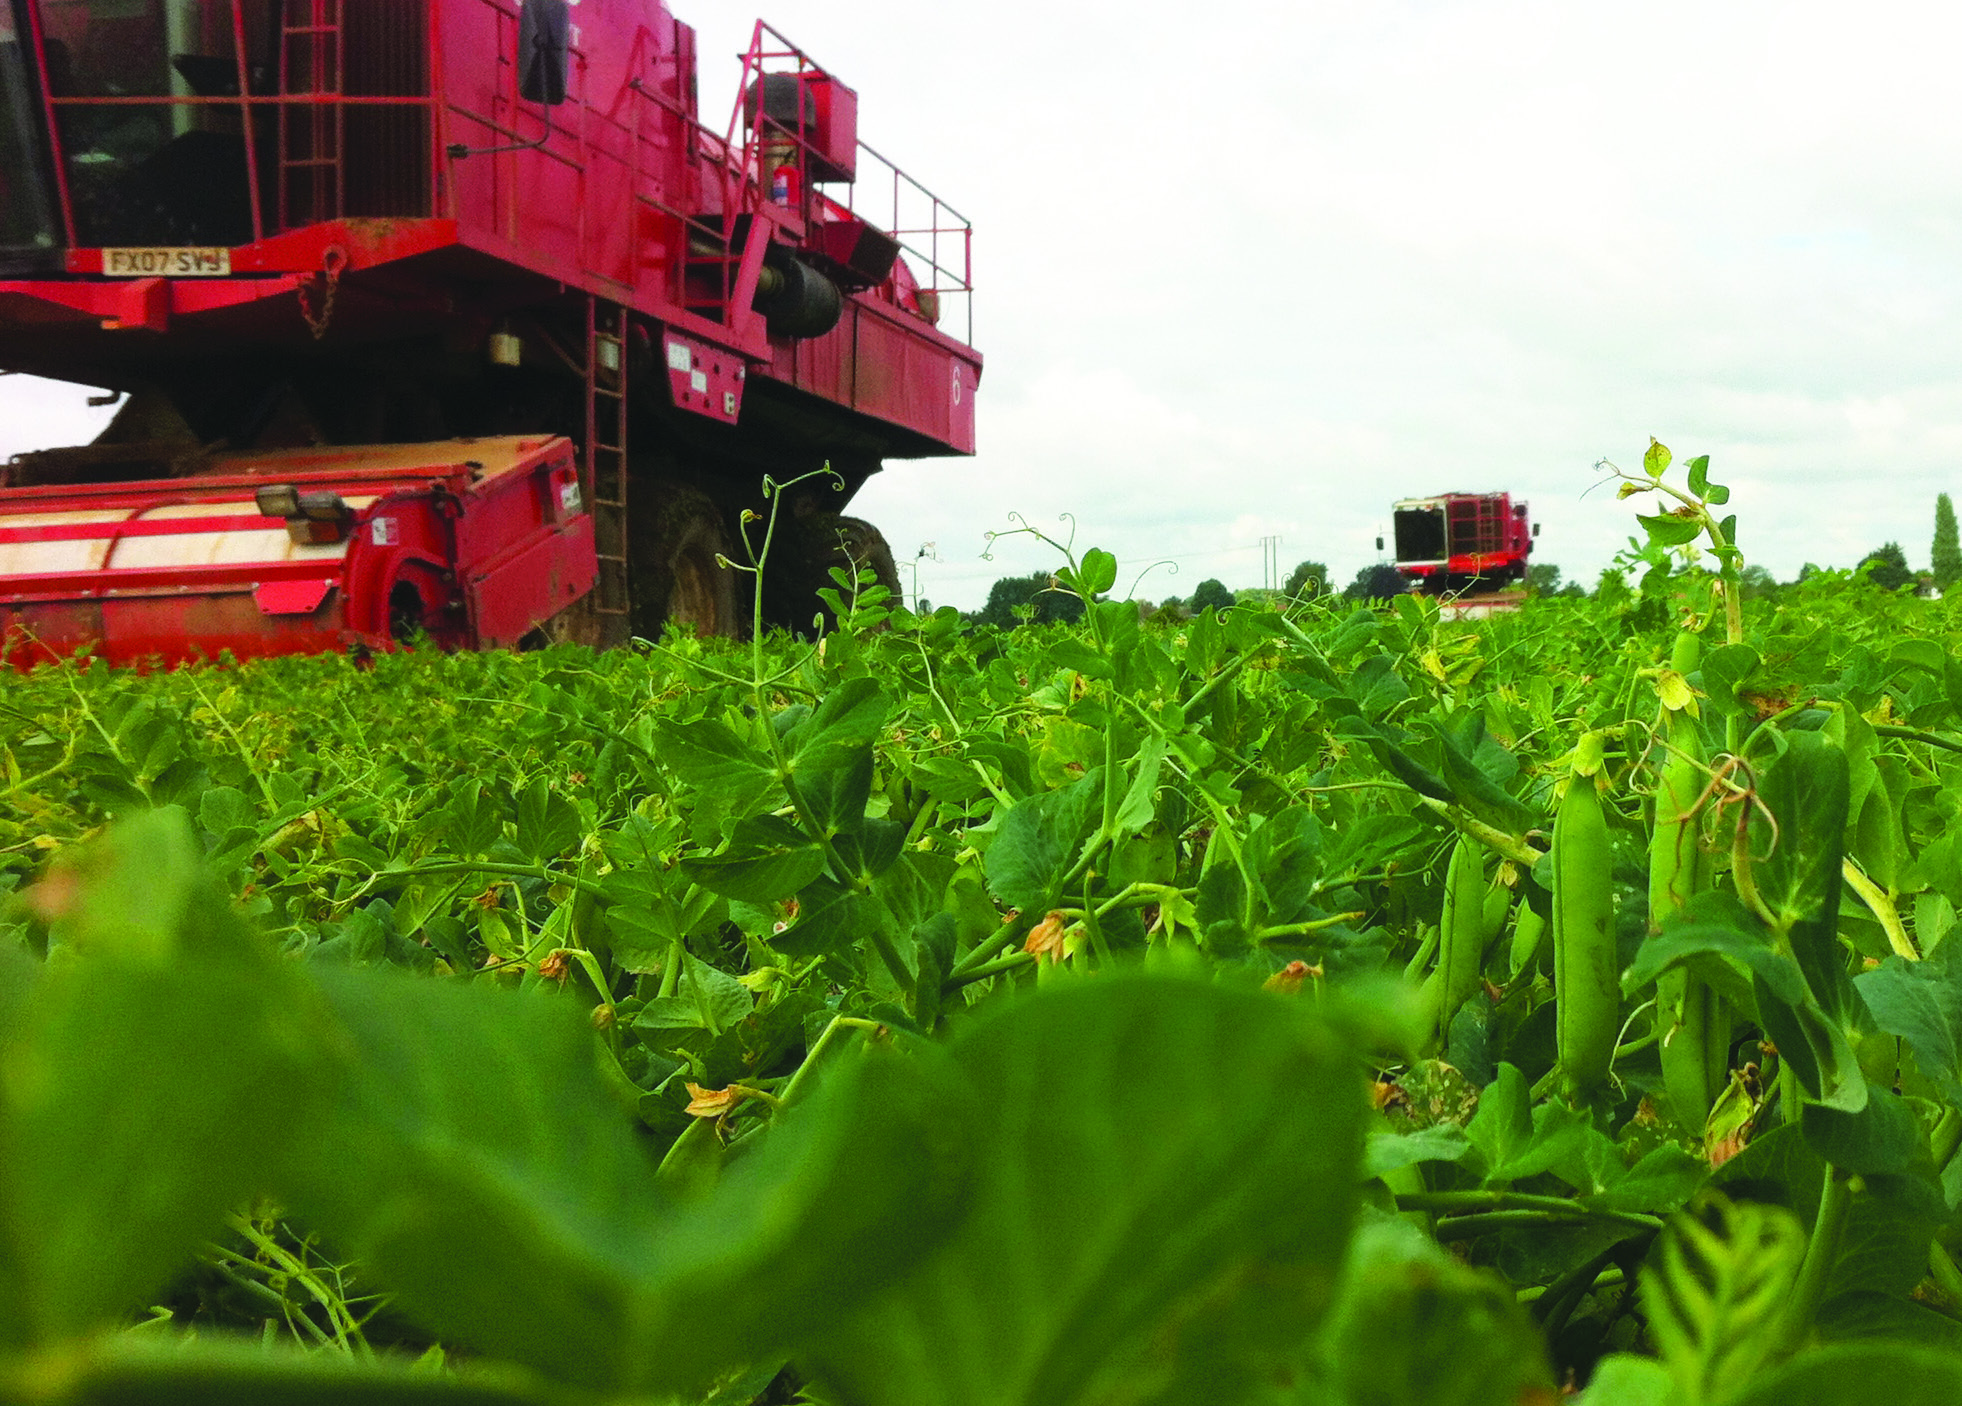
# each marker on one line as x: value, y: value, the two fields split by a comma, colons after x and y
x: 1445, y: 1202
x: 987, y: 948
x: 1303, y: 929
x: 1498, y: 841
x: 1910, y: 734
x: 816, y: 1053
x: 987, y: 969
x: 1471, y: 1227
x: 1881, y: 906
x: 1821, y: 1255
x: 1942, y: 1270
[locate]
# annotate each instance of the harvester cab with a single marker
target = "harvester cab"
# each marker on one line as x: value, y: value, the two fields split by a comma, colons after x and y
x: 365, y: 225
x: 1462, y: 544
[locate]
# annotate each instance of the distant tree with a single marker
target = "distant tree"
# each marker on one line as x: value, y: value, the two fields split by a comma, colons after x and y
x: 1211, y: 592
x: 1543, y: 578
x: 1886, y: 566
x: 1034, y: 590
x: 1758, y: 583
x: 1378, y: 582
x: 1945, y: 558
x: 1309, y: 579
x: 1573, y: 590
x: 1172, y: 606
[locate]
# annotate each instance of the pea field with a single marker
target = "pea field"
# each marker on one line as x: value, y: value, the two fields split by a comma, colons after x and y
x: 1310, y: 1002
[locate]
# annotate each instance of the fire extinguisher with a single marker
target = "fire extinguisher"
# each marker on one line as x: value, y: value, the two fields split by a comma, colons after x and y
x: 783, y: 185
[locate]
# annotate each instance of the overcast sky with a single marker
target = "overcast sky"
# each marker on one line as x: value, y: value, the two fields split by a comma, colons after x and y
x: 1252, y: 269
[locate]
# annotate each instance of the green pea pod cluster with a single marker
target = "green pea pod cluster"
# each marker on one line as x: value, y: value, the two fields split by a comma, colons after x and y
x: 1461, y: 937
x: 1696, y: 1025
x: 1584, y: 966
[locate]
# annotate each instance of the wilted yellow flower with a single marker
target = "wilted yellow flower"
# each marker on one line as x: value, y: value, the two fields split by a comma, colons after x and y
x: 1046, y: 939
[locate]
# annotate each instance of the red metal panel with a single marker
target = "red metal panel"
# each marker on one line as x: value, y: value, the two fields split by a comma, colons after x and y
x: 704, y: 378
x: 492, y: 510
x: 514, y: 596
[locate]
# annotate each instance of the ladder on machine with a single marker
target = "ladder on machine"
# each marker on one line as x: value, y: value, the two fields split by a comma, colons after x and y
x: 606, y: 463
x: 312, y: 135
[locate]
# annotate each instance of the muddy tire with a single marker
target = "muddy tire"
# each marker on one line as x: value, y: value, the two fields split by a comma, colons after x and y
x: 676, y: 578
x: 805, y: 555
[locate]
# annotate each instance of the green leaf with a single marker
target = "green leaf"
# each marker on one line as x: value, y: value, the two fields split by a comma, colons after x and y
x: 1668, y: 530
x: 1622, y: 1379
x: 476, y: 1162
x: 1891, y: 1317
x: 1655, y: 458
x: 851, y: 1188
x: 1922, y: 1003
x: 1158, y: 1214
x: 145, y: 1370
x: 1517, y: 1141
x: 1699, y: 474
x: 1840, y: 1376
x: 1880, y: 1137
x: 1038, y: 840
x: 707, y: 755
x: 548, y: 824
x: 1387, y: 1152
x: 1715, y: 1289
x: 1099, y: 572
x: 148, y: 1081
x: 1805, y: 791
x: 768, y: 860
x: 1414, y: 1327
x: 708, y: 1000
x: 844, y: 724
x: 1139, y: 806
x: 1725, y: 671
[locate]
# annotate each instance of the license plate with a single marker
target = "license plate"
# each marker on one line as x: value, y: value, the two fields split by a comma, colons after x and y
x: 166, y: 263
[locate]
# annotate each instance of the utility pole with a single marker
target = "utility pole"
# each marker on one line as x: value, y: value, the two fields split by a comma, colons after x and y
x: 1270, y: 562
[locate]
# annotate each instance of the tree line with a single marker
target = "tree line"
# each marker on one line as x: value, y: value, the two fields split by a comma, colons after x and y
x: 1039, y: 598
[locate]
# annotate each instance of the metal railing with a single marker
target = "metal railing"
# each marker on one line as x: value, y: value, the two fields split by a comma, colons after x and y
x: 937, y: 239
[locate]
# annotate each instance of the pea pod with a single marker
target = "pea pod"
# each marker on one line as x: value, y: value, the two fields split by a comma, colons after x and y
x: 1529, y: 934
x: 1461, y: 935
x: 1588, y: 1014
x: 1696, y: 1038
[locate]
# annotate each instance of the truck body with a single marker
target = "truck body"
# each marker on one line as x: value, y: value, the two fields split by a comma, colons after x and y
x: 362, y: 225
x: 1462, y: 543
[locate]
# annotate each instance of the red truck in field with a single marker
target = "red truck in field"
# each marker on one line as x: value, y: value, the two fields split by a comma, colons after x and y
x: 1462, y: 543
x: 456, y: 319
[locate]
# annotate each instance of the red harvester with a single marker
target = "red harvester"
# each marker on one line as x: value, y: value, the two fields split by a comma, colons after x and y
x: 446, y: 317
x: 1462, y: 543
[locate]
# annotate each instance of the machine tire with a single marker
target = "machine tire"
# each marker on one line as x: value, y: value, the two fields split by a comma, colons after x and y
x: 862, y: 543
x: 676, y: 578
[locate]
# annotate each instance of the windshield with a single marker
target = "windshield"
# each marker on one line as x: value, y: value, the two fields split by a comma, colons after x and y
x: 158, y: 172
x: 27, y: 213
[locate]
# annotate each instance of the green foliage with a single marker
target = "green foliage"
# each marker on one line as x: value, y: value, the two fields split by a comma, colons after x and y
x: 1886, y: 567
x: 1308, y: 580
x: 1945, y: 555
x: 1376, y: 582
x: 1211, y: 594
x: 1716, y: 1293
x: 880, y: 1018
x: 1543, y: 578
x: 1035, y: 597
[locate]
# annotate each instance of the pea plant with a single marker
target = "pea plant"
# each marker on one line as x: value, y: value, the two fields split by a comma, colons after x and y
x: 1302, y: 1002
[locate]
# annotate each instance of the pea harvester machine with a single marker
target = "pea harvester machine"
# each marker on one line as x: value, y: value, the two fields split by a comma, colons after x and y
x: 451, y: 318
x: 1468, y: 548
